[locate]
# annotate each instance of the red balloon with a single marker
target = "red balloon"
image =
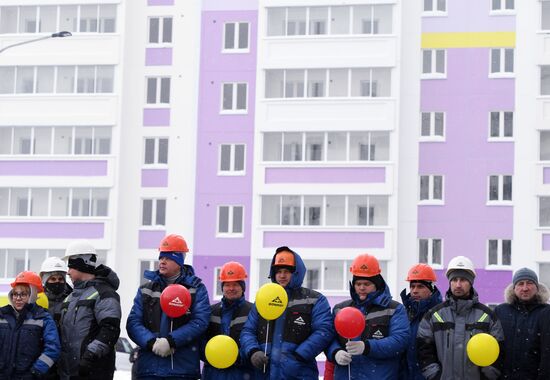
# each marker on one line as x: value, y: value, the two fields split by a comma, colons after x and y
x: 349, y: 322
x: 175, y: 300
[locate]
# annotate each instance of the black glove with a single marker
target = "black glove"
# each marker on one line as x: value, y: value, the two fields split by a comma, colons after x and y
x: 259, y: 359
x: 86, y: 364
x: 36, y: 374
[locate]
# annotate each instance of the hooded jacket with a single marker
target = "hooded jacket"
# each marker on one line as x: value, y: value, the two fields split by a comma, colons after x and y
x: 147, y: 321
x: 29, y: 341
x: 90, y: 321
x: 295, y: 339
x: 519, y: 322
x: 386, y: 335
x: 415, y: 311
x: 228, y: 318
x: 444, y: 333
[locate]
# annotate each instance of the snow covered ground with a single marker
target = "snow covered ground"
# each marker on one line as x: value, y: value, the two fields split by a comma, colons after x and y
x: 122, y: 375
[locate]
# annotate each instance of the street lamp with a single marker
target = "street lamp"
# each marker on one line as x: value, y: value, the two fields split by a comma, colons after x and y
x: 53, y: 35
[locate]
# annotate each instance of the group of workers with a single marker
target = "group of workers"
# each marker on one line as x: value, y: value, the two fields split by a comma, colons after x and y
x: 423, y: 337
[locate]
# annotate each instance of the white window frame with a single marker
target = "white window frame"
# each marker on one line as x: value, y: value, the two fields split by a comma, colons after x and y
x: 431, y: 187
x: 154, y: 205
x: 229, y: 234
x: 236, y: 49
x: 501, y: 129
x: 433, y: 74
x: 502, y: 10
x: 158, y: 103
x: 156, y: 151
x: 430, y: 252
x: 435, y: 12
x: 500, y: 200
x: 232, y: 171
x: 234, y: 100
x: 499, y: 265
x: 432, y: 136
x: 160, y: 31
x: 502, y: 56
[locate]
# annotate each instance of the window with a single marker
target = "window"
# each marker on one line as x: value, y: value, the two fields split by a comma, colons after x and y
x: 432, y: 125
x: 329, y: 210
x: 232, y: 158
x: 544, y: 211
x: 314, y: 21
x: 44, y: 19
x: 502, y: 61
x: 435, y: 6
x: 431, y: 188
x: 218, y: 294
x: 359, y: 82
x: 434, y: 63
x: 544, y: 80
x: 545, y: 15
x: 499, y: 252
x: 69, y: 79
x: 55, y: 202
x: 146, y: 265
x: 234, y: 97
x: 326, y: 146
x: 544, y: 144
x: 153, y: 212
x: 501, y: 124
x: 230, y: 221
x: 430, y: 251
x: 156, y: 151
x: 236, y: 36
x: 160, y: 30
x: 502, y: 5
x: 158, y: 90
x: 500, y: 188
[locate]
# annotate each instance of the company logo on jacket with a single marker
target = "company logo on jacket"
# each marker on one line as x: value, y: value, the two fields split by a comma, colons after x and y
x: 377, y: 334
x: 299, y: 321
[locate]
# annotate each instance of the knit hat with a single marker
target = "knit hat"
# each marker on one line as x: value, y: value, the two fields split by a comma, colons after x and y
x: 241, y: 283
x: 377, y: 280
x: 83, y: 263
x: 178, y: 257
x: 461, y: 273
x: 427, y: 284
x: 525, y: 274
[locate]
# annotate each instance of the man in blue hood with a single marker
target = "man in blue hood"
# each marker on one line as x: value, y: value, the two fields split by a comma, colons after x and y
x: 301, y: 333
x: 169, y: 347
x: 376, y: 354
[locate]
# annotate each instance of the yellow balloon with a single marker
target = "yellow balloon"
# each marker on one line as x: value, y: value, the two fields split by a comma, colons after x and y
x: 221, y: 351
x: 271, y: 301
x: 4, y: 300
x: 42, y: 300
x: 483, y: 349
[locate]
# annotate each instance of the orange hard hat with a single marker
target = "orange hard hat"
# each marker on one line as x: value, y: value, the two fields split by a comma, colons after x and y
x: 232, y: 271
x: 365, y: 265
x: 284, y: 258
x: 173, y: 243
x: 28, y: 278
x: 421, y: 272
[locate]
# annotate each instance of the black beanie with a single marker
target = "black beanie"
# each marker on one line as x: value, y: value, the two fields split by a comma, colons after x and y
x: 241, y: 283
x: 83, y: 264
x: 377, y: 280
x: 427, y: 284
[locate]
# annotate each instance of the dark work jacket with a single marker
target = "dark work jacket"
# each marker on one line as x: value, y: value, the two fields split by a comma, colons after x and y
x: 55, y: 303
x: 228, y: 318
x: 540, y: 353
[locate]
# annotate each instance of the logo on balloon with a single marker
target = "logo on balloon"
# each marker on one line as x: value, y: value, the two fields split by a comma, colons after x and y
x: 276, y: 302
x: 176, y: 302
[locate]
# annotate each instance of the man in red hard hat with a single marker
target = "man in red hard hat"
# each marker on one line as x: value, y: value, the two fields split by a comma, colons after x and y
x: 169, y: 347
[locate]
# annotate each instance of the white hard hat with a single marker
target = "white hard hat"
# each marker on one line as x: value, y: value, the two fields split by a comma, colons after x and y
x: 53, y: 264
x: 461, y: 262
x: 79, y: 247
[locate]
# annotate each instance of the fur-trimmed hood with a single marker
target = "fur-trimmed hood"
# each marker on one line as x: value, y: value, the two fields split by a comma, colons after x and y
x: 542, y: 295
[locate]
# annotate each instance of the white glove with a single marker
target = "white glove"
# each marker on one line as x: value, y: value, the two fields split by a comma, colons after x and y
x: 342, y: 357
x: 355, y: 347
x: 161, y: 347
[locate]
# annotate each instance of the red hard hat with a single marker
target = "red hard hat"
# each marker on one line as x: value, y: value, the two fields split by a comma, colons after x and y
x: 28, y: 278
x: 173, y: 243
x: 232, y: 271
x: 421, y: 272
x: 365, y: 265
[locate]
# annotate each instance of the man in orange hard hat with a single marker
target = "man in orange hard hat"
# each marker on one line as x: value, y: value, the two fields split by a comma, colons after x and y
x: 422, y: 297
x: 228, y: 318
x: 169, y: 347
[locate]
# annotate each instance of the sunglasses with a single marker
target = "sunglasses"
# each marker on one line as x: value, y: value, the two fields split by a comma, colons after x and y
x: 20, y: 295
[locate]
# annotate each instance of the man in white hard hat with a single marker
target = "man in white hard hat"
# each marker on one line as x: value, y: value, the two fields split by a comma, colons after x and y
x: 446, y: 329
x: 90, y: 317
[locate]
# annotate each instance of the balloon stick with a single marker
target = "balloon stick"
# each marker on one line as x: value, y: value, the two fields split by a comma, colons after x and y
x: 266, y: 338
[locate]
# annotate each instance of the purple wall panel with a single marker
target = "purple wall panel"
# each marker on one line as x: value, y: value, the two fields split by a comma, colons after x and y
x: 236, y: 5
x: 5, y: 288
x: 154, y: 178
x: 158, y: 56
x: 160, y: 2
x: 546, y: 242
x: 51, y: 230
x: 156, y: 117
x: 325, y: 175
x: 546, y: 175
x: 323, y: 239
x: 54, y: 168
x: 489, y: 284
x: 468, y: 16
x: 150, y: 239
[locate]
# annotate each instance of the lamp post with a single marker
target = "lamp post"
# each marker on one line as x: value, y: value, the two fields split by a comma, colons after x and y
x: 53, y: 35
